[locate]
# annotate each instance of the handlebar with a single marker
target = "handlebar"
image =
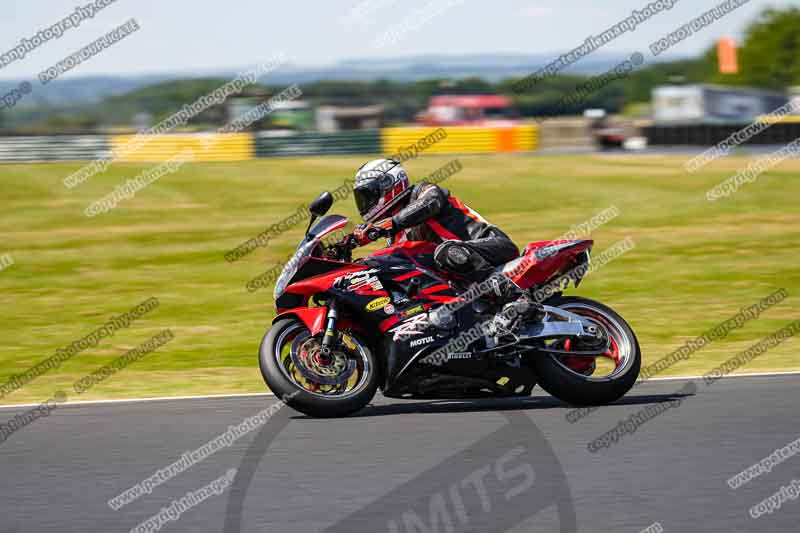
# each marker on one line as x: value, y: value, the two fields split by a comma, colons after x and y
x: 342, y: 250
x: 344, y: 247
x: 349, y: 241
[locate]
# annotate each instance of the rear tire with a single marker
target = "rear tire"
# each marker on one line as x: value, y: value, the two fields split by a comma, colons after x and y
x: 576, y: 389
x: 301, y: 399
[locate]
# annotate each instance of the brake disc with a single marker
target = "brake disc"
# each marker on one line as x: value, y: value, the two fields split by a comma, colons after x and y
x: 332, y: 369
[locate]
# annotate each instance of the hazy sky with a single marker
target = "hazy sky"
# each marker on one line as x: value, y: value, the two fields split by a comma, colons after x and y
x: 195, y: 35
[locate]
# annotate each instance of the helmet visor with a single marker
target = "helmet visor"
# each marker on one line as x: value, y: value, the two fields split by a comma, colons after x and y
x: 367, y: 196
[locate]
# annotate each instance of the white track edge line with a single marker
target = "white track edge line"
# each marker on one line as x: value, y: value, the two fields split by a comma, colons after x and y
x: 742, y: 375
x: 254, y: 394
x: 154, y: 399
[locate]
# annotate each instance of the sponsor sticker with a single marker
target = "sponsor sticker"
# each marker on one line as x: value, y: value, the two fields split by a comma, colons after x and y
x: 362, y: 279
x: 420, y: 342
x: 388, y: 309
x: 413, y: 311
x: 378, y: 303
x: 413, y: 327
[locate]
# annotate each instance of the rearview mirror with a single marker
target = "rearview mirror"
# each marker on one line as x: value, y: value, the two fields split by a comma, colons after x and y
x: 321, y: 205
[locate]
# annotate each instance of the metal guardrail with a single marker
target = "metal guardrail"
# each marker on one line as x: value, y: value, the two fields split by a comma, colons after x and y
x: 54, y: 148
x: 271, y: 144
x: 711, y: 134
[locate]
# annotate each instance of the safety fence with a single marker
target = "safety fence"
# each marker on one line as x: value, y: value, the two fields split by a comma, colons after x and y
x: 265, y: 144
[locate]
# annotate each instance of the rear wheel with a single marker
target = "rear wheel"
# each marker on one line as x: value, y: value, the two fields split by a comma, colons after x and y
x: 322, y: 385
x: 591, y: 381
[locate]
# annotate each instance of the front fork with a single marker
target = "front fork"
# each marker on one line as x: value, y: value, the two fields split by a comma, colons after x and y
x: 329, y: 337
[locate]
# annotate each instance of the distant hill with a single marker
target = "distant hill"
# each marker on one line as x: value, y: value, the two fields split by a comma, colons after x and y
x: 81, y: 90
x: 491, y: 67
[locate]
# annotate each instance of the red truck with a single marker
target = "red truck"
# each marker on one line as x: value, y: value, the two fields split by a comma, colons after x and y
x: 469, y: 110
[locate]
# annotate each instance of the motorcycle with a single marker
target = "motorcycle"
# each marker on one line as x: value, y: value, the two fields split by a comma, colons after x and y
x: 393, y: 321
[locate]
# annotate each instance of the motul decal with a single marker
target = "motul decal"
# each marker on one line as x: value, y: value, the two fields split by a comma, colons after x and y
x: 420, y: 342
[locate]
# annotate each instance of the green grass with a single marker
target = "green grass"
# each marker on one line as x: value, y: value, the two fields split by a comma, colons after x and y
x: 694, y: 265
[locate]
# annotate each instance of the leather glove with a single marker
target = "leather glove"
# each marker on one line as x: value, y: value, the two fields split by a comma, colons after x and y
x: 367, y: 233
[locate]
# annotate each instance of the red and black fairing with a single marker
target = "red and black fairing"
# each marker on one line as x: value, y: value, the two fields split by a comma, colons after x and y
x: 375, y: 290
x: 408, y: 272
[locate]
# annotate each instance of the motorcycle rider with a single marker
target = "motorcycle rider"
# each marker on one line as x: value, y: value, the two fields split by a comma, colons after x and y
x: 467, y: 243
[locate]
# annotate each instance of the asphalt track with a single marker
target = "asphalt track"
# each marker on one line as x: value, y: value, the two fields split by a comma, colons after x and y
x: 495, y: 465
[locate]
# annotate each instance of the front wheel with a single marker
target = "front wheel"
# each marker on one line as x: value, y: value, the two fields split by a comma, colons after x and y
x: 294, y: 368
x: 591, y: 381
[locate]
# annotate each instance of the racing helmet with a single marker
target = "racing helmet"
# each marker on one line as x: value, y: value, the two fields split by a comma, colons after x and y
x: 379, y: 187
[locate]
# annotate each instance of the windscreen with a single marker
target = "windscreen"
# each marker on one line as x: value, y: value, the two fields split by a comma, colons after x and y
x: 306, y: 247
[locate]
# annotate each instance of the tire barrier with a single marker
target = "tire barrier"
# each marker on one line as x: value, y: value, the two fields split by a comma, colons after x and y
x: 205, y: 147
x: 464, y: 139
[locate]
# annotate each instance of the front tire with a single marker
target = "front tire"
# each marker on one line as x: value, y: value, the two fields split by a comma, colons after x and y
x: 280, y: 376
x: 579, y: 388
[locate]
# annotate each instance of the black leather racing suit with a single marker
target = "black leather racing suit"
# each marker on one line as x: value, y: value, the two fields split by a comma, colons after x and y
x: 469, y: 244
